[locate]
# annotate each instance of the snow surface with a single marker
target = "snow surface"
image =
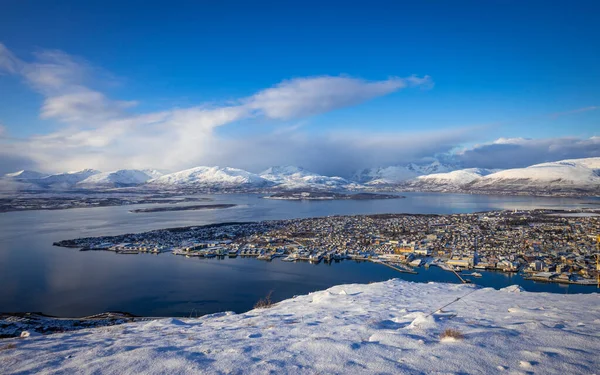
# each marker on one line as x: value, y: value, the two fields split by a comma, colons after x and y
x: 211, y: 176
x: 392, y: 327
x: 291, y: 177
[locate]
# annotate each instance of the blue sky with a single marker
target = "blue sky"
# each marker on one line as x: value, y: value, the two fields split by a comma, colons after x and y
x: 497, y: 69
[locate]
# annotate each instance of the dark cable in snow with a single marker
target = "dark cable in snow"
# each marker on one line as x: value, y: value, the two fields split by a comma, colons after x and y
x: 448, y: 304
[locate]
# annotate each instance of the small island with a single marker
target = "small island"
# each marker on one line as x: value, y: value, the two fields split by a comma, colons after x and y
x: 327, y: 195
x: 183, y: 208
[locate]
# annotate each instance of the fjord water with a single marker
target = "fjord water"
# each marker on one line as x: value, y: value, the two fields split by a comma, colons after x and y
x: 36, y: 276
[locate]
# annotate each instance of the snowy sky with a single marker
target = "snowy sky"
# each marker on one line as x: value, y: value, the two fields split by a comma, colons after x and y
x: 173, y: 86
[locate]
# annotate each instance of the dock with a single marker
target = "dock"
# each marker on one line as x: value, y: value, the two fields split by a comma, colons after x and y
x: 394, y: 267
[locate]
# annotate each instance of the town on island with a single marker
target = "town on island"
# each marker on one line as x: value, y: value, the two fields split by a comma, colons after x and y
x: 546, y: 245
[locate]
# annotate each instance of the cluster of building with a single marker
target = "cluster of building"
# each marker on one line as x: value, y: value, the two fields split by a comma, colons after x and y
x: 547, y: 245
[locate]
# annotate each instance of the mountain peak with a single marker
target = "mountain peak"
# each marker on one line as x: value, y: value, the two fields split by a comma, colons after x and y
x: 222, y: 177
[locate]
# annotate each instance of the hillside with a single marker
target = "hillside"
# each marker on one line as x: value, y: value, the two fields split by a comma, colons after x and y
x: 572, y: 177
x: 215, y: 177
x: 123, y: 177
x: 291, y: 177
x: 575, y: 173
x: 456, y: 178
x: 67, y: 179
x: 400, y: 173
x: 394, y: 327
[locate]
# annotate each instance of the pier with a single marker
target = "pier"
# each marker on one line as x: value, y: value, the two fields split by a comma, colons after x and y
x: 394, y: 267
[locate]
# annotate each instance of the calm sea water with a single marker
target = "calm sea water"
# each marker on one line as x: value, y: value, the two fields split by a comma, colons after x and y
x: 35, y: 276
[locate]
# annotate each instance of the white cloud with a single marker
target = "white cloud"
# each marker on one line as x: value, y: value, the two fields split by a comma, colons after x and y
x: 310, y: 96
x: 101, y: 133
x: 8, y: 62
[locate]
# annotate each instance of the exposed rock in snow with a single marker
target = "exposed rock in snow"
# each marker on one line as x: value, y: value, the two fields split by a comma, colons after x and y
x: 123, y: 177
x: 377, y: 328
x: 212, y: 177
x: 290, y: 177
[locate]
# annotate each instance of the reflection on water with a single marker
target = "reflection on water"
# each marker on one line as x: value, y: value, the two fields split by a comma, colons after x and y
x: 35, y: 276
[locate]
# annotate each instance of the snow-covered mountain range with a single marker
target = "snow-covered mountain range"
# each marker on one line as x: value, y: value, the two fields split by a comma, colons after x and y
x: 575, y: 176
x: 454, y: 178
x: 398, y: 174
x: 580, y: 174
x: 25, y: 175
x: 120, y: 178
x: 290, y: 177
x: 211, y: 177
x: 565, y: 176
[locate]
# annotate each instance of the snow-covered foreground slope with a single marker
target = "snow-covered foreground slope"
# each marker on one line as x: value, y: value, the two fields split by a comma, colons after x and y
x: 382, y: 328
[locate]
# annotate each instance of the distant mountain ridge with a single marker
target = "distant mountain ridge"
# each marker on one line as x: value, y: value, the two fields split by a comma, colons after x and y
x: 400, y: 173
x: 214, y: 177
x: 290, y: 177
x: 572, y: 176
x: 120, y: 178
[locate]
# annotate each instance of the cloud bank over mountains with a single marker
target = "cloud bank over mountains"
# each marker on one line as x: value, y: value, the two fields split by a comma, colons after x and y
x: 107, y: 134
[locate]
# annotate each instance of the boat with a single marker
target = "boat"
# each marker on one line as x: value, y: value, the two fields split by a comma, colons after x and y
x: 232, y: 253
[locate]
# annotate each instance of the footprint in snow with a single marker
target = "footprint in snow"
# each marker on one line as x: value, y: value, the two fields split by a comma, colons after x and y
x: 254, y: 336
